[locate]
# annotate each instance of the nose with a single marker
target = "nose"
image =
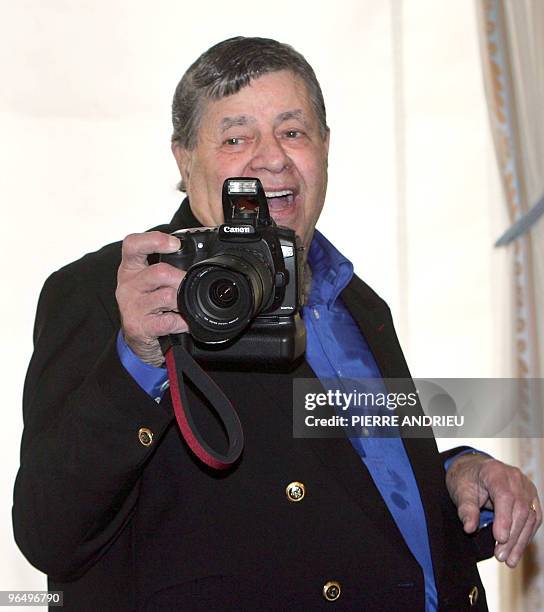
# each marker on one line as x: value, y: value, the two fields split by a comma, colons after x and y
x: 270, y: 155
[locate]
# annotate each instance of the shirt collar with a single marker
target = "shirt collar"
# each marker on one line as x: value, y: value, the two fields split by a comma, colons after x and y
x: 331, y: 271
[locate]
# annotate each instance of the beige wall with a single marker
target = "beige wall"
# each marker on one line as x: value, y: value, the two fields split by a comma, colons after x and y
x: 413, y: 199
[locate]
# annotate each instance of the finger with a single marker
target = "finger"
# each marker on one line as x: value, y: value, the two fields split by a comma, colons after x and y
x: 167, y: 323
x: 503, y: 507
x: 538, y: 513
x: 139, y: 317
x: 136, y: 248
x: 154, y: 277
x: 513, y: 555
x: 159, y: 301
x: 132, y: 289
x: 469, y: 514
x: 153, y: 326
x: 520, y: 516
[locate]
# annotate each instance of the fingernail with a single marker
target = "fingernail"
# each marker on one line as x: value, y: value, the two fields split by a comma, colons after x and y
x: 466, y: 522
x: 501, y: 556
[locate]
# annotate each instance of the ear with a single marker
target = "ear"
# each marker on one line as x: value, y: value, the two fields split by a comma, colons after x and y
x: 183, y: 159
x: 327, y: 141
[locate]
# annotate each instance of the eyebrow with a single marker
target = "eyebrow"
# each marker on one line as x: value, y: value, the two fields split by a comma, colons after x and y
x: 228, y: 122
x: 292, y: 114
x: 241, y: 120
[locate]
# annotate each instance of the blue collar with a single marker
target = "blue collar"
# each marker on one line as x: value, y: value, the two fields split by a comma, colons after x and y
x: 331, y: 272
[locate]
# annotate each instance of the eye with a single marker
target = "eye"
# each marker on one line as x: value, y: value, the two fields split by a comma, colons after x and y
x: 293, y: 133
x: 233, y: 141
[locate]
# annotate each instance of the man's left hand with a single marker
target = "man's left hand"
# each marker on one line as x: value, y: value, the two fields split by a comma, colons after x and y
x: 477, y: 481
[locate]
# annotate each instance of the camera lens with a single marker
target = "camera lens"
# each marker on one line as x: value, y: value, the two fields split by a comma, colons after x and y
x: 224, y: 293
x: 219, y: 296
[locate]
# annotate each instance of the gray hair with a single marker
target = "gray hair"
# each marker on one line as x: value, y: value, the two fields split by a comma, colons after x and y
x: 226, y: 68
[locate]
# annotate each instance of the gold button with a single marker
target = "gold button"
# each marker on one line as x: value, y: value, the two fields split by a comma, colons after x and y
x: 473, y: 595
x: 332, y: 590
x: 295, y: 491
x: 145, y: 436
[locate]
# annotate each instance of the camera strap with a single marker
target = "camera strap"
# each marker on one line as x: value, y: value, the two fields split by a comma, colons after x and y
x: 181, y: 365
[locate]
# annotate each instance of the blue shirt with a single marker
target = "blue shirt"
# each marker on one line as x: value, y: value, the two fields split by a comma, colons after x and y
x: 337, y: 351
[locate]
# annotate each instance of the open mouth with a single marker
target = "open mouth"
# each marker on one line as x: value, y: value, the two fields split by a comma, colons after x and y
x: 280, y: 200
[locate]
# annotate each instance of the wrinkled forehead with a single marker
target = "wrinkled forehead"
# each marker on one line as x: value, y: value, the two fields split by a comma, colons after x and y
x: 275, y: 96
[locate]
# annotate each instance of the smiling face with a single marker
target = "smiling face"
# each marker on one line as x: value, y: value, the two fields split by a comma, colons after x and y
x: 268, y: 130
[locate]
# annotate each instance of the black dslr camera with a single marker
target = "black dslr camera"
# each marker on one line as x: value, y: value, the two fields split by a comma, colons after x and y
x: 241, y: 296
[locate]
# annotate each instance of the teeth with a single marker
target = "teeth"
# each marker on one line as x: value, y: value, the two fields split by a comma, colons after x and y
x: 278, y: 194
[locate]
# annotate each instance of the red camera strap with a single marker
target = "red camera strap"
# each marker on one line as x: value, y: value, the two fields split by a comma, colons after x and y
x: 181, y: 364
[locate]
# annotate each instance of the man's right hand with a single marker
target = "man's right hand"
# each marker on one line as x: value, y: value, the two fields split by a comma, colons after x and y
x: 147, y: 295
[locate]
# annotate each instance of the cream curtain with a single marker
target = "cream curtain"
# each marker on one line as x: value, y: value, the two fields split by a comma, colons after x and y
x: 512, y: 49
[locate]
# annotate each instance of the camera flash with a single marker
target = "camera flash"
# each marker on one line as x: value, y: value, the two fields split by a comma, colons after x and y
x: 244, y: 187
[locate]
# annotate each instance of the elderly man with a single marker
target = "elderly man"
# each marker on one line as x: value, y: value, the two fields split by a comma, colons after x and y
x: 111, y: 503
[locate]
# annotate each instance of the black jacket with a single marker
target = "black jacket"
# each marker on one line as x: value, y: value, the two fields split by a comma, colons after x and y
x: 122, y: 526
